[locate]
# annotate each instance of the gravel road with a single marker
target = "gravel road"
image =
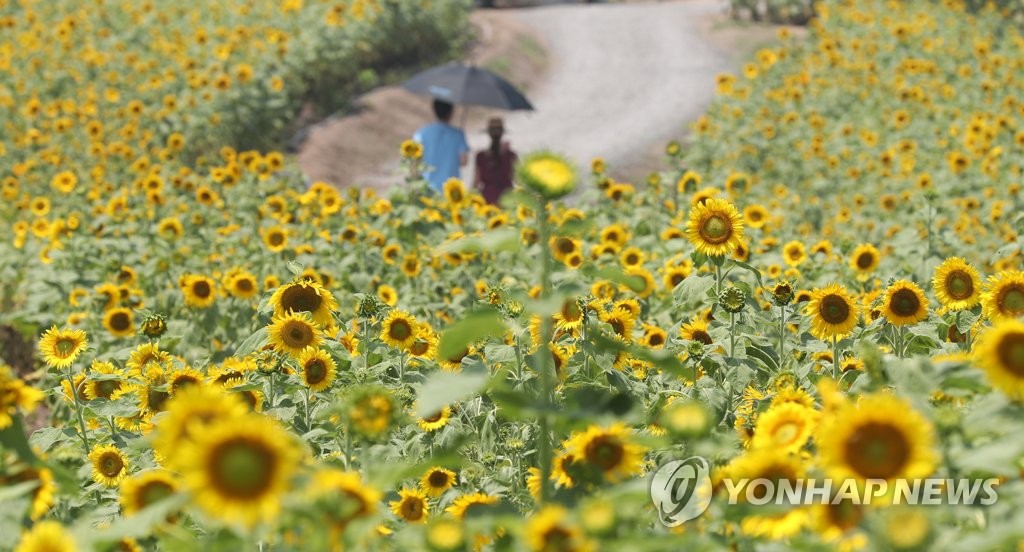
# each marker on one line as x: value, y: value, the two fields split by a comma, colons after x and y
x: 623, y: 77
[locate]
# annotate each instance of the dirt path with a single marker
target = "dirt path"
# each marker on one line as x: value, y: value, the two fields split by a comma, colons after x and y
x: 623, y: 79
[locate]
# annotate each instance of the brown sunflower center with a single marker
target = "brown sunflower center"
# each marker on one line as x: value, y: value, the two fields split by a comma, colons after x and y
x: 245, y: 285
x: 316, y: 371
x: 877, y: 450
x: 297, y: 334
x: 456, y: 195
x: 959, y: 285
x: 702, y: 336
x: 156, y: 399
x: 1011, y: 352
x: 604, y: 451
x: 558, y: 538
x: 716, y: 229
x: 865, y: 261
x: 834, y: 309
x: 201, y: 289
x: 954, y: 335
x: 845, y: 515
x: 434, y: 417
x: 1011, y: 299
x: 242, y: 469
x: 110, y: 464
x: 412, y: 508
x: 676, y: 278
x: 632, y: 259
x: 120, y: 321
x: 656, y: 339
x: 565, y: 246
x: 400, y: 330
x: 300, y: 298
x: 276, y: 238
x: 420, y: 347
x: 438, y: 479
x: 904, y: 302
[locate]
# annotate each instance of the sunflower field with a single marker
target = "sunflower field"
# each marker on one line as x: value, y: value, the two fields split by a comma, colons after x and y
x: 826, y: 283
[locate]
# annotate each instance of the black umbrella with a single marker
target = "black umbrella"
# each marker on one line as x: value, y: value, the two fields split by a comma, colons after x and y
x: 467, y: 85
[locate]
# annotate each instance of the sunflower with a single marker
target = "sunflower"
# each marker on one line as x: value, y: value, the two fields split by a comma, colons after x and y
x: 47, y: 536
x: 118, y: 321
x: 461, y: 506
x: 398, y: 330
x: 864, y: 260
x: 144, y: 357
x: 621, y: 321
x: 305, y: 296
x: 199, y: 291
x: 316, y: 369
x: 715, y: 227
x: 880, y: 437
x: 632, y: 256
x: 388, y: 295
x: 343, y: 497
x: 436, y: 481
x: 371, y: 411
x: 755, y: 216
x: 794, y: 253
x: 455, y: 193
x: 145, y: 489
x: 696, y: 330
x: 1000, y: 353
x: 833, y: 312
x: 242, y: 285
x: 109, y: 466
x: 957, y: 284
x: 550, y: 529
x: 15, y: 396
x: 904, y: 303
x: 291, y: 333
x: 436, y: 420
x: 609, y: 450
x: 410, y: 265
x: 191, y: 410
x: 1003, y: 296
x: 183, y: 377
x: 275, y: 238
x: 654, y: 337
x: 569, y: 317
x: 61, y: 348
x: 239, y: 469
x: 425, y: 346
x: 785, y: 427
x: 550, y: 175
x: 411, y: 505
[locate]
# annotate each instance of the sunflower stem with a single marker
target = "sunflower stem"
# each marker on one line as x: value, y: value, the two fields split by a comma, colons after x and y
x: 544, y: 445
x: 113, y: 429
x: 835, y: 358
x: 782, y: 336
x: 718, y: 279
x: 306, y: 393
x: 732, y: 334
x: 348, y: 448
x: 78, y: 411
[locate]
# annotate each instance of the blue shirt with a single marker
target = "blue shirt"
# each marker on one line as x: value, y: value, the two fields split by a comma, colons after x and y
x: 442, y: 145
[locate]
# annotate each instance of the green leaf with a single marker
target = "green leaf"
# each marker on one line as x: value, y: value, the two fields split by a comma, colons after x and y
x: 253, y: 342
x: 112, y: 408
x: 444, y: 388
x: 502, y: 239
x: 13, y: 438
x: 616, y: 275
x: 477, y: 325
x: 136, y: 526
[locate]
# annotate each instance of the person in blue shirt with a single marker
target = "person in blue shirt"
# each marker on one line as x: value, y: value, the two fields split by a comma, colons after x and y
x: 445, y: 149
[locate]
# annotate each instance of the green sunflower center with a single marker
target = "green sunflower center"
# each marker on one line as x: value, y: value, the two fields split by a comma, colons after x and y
x: 877, y: 451
x: 154, y: 492
x: 300, y: 298
x: 65, y: 346
x: 156, y: 399
x: 242, y: 468
x: 604, y: 451
x: 905, y: 302
x: 959, y: 285
x: 715, y: 229
x: 1012, y: 300
x: 1011, y: 353
x: 834, y: 309
x: 106, y: 388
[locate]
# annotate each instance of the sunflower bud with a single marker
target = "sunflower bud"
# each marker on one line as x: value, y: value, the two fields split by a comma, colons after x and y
x: 548, y: 174
x: 369, y: 306
x: 154, y: 325
x: 783, y: 294
x: 732, y: 299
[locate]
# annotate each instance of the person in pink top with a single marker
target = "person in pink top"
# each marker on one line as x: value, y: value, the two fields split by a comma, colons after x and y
x: 495, y: 165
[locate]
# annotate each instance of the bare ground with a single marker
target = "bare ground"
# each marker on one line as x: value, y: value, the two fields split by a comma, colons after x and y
x: 608, y: 80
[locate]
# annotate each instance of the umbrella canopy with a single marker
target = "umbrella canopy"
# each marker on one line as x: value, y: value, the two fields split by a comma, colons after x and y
x: 467, y: 85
